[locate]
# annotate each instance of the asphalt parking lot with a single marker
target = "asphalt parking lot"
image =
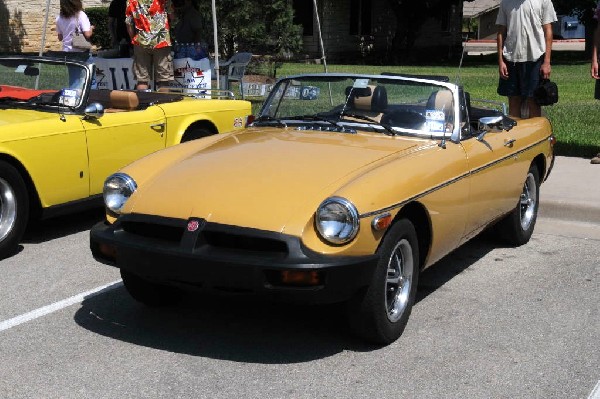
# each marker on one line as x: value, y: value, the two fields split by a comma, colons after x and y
x: 490, y: 322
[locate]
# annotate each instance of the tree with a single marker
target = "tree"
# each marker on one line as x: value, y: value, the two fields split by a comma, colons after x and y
x: 258, y: 26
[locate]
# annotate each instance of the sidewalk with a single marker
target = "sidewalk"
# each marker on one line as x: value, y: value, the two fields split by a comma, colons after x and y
x: 572, y: 191
x: 475, y: 47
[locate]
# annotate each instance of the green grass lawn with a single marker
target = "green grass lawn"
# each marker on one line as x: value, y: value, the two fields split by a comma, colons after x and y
x: 575, y: 119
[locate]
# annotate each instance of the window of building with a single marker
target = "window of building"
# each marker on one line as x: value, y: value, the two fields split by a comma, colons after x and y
x: 303, y: 15
x: 360, y: 17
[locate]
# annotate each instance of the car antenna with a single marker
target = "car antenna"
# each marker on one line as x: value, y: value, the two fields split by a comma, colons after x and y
x: 350, y: 93
x: 457, y: 82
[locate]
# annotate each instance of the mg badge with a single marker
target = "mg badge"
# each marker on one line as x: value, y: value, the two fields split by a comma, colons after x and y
x: 193, y: 225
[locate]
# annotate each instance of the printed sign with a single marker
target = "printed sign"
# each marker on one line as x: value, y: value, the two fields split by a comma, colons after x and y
x: 117, y: 74
x: 68, y: 97
x: 435, y: 120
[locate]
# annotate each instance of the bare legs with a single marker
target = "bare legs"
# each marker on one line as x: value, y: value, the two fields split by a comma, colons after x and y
x: 514, y: 107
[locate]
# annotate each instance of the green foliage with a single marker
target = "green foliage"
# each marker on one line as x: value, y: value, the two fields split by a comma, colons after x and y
x: 577, y: 7
x: 99, y: 18
x: 254, y: 26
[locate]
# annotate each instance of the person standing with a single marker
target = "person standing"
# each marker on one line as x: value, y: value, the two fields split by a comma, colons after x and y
x: 594, y: 70
x: 524, y: 43
x: 116, y: 23
x: 189, y: 23
x: 72, y: 20
x: 148, y: 26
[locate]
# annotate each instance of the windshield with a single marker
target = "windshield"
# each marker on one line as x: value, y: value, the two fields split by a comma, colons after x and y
x: 30, y: 83
x: 390, y: 105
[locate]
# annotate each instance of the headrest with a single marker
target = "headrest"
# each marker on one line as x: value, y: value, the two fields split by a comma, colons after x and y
x: 440, y: 100
x: 370, y: 98
x: 122, y: 99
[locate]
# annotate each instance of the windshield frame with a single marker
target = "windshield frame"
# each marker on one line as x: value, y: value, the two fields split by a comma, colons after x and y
x: 40, y: 61
x: 273, y: 100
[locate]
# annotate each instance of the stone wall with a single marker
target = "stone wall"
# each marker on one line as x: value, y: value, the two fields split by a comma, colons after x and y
x: 22, y: 24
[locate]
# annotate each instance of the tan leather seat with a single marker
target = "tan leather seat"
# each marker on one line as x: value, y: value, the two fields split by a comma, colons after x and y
x: 121, y: 100
x: 371, y: 100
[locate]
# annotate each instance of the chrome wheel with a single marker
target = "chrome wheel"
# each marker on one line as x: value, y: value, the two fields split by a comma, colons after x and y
x: 399, y: 280
x: 528, y: 202
x: 380, y: 313
x: 8, y: 209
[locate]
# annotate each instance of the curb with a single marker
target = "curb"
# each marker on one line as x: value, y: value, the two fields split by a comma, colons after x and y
x: 569, y: 211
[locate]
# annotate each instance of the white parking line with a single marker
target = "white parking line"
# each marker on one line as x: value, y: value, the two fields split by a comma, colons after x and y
x: 43, y: 311
x: 595, y: 392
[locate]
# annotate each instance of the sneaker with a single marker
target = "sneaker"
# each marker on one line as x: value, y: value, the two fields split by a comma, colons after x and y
x: 596, y: 159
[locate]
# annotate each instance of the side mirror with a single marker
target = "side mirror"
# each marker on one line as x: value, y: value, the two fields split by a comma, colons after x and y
x: 93, y: 111
x: 494, y: 124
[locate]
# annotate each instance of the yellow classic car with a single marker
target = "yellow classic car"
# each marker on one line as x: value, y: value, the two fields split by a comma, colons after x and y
x: 60, y: 138
x: 343, y: 189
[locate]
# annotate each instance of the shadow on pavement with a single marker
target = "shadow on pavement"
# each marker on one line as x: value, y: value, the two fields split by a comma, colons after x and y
x: 61, y: 226
x: 235, y: 328
x: 246, y: 328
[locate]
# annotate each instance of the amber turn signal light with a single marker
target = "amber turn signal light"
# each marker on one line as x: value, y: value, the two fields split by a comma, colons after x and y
x: 382, y: 222
x: 108, y: 251
x: 301, y: 277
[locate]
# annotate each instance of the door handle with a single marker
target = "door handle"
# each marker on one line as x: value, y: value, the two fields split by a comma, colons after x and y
x: 159, y: 127
x: 509, y: 142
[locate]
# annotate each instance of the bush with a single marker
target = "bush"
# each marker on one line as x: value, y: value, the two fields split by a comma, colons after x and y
x: 99, y: 18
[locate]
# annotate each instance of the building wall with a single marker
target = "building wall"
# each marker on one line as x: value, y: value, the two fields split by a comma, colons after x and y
x: 22, y: 24
x: 487, y: 25
x: 337, y: 40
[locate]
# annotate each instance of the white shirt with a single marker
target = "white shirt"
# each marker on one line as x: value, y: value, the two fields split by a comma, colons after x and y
x: 523, y: 19
x: 67, y: 26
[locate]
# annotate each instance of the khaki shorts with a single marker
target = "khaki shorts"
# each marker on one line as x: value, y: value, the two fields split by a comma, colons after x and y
x: 144, y: 59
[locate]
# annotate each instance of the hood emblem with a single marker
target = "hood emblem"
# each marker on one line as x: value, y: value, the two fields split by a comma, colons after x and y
x: 193, y: 225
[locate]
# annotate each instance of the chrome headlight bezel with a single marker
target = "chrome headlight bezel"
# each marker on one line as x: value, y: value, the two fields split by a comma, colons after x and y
x: 118, y: 187
x: 337, y: 220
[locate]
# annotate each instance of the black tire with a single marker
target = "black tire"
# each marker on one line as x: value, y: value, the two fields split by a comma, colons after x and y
x: 517, y: 227
x: 149, y: 293
x: 14, y: 209
x: 196, y: 133
x: 381, y: 313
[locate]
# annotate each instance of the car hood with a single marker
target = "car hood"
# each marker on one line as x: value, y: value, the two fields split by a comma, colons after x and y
x: 261, y: 178
x: 14, y: 116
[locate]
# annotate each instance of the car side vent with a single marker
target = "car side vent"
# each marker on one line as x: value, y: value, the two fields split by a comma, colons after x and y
x: 157, y: 231
x: 244, y: 243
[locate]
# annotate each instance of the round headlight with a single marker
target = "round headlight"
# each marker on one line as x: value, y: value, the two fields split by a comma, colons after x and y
x: 117, y: 190
x: 337, y: 220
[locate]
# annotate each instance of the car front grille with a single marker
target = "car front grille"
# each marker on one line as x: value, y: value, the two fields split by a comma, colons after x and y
x: 211, y: 236
x: 161, y: 232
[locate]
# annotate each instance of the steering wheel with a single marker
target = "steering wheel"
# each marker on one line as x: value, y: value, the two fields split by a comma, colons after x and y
x: 406, y: 119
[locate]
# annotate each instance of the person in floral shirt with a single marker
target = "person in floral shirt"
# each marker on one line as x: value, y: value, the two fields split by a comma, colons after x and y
x: 148, y: 25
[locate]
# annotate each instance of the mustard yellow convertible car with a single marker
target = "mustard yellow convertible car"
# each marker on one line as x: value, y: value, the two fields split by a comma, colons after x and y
x: 343, y: 189
x: 60, y: 139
